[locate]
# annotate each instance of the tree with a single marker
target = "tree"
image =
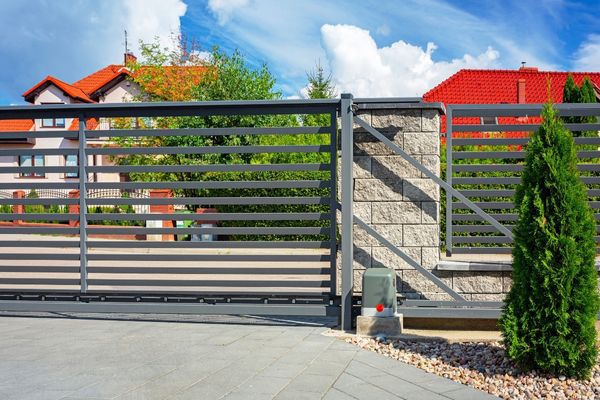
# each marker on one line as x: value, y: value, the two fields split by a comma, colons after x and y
x: 548, y: 321
x: 575, y: 94
x: 319, y: 85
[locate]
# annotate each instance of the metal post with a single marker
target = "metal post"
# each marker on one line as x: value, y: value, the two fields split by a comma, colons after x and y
x: 449, y: 181
x: 334, y: 201
x: 347, y: 211
x: 82, y: 158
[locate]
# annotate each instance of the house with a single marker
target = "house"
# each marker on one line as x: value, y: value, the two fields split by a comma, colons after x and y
x: 524, y: 85
x: 110, y: 84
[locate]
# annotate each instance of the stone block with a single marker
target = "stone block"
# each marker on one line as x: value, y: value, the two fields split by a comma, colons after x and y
x: 422, y: 143
x: 378, y: 189
x: 406, y: 120
x: 414, y: 281
x: 430, y: 257
x: 393, y: 233
x: 439, y: 296
x: 362, y: 238
x: 398, y: 212
x: 362, y: 210
x: 364, y: 115
x: 432, y: 163
x: 415, y: 189
x: 366, y: 144
x: 392, y: 167
x: 361, y: 167
x: 430, y: 212
x: 375, y: 326
x: 507, y: 281
x: 488, y: 296
x: 421, y: 235
x: 478, y: 282
x: 362, y: 257
x: 384, y: 257
x: 430, y: 121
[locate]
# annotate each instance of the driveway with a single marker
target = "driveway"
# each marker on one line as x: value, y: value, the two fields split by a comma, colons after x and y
x: 58, y: 356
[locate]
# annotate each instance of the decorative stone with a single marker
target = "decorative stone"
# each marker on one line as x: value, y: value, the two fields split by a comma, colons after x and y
x: 392, y: 167
x: 393, y: 233
x: 384, y: 257
x: 488, y: 296
x: 414, y: 281
x: 377, y: 189
x: 362, y: 238
x: 430, y: 212
x: 362, y: 210
x: 379, y: 326
x: 362, y: 257
x: 471, y: 282
x: 420, y: 190
x: 421, y: 235
x: 507, y: 281
x: 432, y: 163
x: 364, y: 115
x: 422, y: 143
x: 430, y: 257
x: 396, y: 212
x: 361, y: 167
x: 430, y: 121
x: 366, y: 144
x: 406, y: 120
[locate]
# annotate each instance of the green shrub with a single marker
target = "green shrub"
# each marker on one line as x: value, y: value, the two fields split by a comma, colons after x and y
x: 548, y: 322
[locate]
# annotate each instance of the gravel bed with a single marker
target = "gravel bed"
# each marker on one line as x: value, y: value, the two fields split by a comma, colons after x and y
x: 483, y: 366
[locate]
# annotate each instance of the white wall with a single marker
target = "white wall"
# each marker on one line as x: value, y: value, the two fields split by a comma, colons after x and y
x: 122, y: 92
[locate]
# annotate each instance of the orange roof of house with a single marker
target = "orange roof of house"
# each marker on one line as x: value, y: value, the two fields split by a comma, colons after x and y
x: 469, y: 86
x: 90, y: 124
x: 98, y: 79
x: 9, y: 125
x: 70, y: 90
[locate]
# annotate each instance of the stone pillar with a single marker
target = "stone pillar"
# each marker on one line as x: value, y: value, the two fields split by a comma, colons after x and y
x: 396, y: 199
x: 18, y: 208
x: 74, y: 208
x: 161, y: 209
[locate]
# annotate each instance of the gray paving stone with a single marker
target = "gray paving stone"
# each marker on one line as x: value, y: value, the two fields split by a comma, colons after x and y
x: 311, y: 383
x: 334, y: 394
x: 263, y: 384
x: 360, y: 389
x: 466, y: 393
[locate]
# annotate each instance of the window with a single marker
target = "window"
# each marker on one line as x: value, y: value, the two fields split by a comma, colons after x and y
x: 71, y: 160
x: 489, y: 120
x: 31, y: 161
x: 53, y: 122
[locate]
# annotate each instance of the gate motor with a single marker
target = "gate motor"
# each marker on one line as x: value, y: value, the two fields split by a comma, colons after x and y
x: 379, y: 293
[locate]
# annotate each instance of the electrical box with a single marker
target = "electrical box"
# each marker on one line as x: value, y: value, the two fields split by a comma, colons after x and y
x: 379, y: 293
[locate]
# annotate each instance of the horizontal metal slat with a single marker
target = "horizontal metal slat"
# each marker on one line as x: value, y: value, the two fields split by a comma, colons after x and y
x: 38, y: 243
x: 202, y: 283
x: 210, y: 217
x: 38, y: 170
x: 39, y: 281
x: 206, y: 150
x: 210, y: 245
x: 496, y: 180
x: 489, y: 193
x: 463, y: 155
x: 34, y: 217
x: 209, y: 257
x: 478, y: 228
x: 206, y: 201
x: 41, y: 201
x: 38, y: 256
x: 510, y: 167
x: 208, y: 168
x: 287, y: 130
x: 38, y: 230
x: 29, y: 151
x: 16, y: 135
x: 481, y: 239
x: 200, y: 270
x: 518, y: 127
x: 217, y: 231
x: 493, y: 205
x: 482, y: 250
x: 489, y: 141
x: 25, y: 184
x: 39, y: 268
x: 291, y: 184
x: 475, y: 217
x: 522, y: 110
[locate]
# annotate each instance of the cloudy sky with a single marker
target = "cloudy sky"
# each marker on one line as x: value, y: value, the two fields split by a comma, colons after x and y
x: 371, y: 47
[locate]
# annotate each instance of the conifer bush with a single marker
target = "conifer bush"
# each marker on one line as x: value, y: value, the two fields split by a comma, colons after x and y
x: 548, y: 321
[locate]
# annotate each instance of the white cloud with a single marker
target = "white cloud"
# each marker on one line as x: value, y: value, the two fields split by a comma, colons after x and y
x: 223, y: 9
x: 587, y: 57
x: 359, y: 67
x: 72, y: 39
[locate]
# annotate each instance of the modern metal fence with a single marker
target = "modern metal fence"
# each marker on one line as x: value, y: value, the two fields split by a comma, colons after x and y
x: 485, y: 151
x: 291, y: 203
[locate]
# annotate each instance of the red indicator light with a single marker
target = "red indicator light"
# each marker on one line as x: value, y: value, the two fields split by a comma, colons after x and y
x: 379, y: 307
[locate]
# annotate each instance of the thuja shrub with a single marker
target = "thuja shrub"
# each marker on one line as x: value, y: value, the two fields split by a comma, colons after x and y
x: 549, y: 315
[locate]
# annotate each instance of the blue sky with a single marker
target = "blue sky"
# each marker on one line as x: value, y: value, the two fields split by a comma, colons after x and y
x: 371, y: 47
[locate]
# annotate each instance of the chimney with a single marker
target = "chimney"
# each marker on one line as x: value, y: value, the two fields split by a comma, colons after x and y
x: 129, y: 59
x: 521, y: 91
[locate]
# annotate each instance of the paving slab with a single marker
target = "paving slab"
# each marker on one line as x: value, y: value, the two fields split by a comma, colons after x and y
x: 133, y: 357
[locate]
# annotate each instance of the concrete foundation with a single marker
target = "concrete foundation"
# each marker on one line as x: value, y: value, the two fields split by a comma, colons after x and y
x: 375, y: 326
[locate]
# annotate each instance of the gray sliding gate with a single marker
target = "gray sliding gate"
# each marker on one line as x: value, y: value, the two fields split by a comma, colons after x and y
x: 275, y: 221
x: 484, y: 160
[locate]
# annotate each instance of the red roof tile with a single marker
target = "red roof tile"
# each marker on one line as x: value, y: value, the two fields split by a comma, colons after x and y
x: 11, y: 125
x: 70, y: 90
x: 469, y: 86
x: 96, y: 80
x: 90, y: 124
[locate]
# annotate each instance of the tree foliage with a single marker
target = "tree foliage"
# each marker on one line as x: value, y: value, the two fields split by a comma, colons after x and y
x: 548, y: 322
x: 579, y: 94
